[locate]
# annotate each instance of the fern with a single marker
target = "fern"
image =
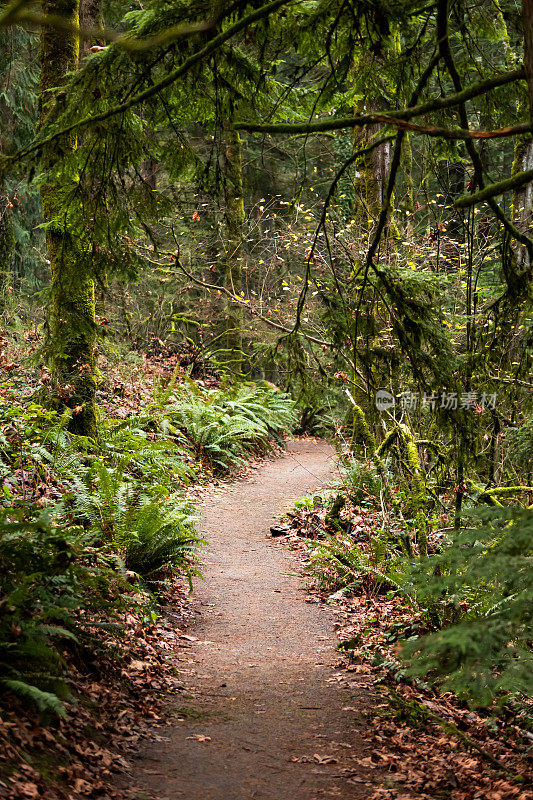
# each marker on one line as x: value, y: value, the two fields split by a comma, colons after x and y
x: 223, y: 428
x: 155, y: 538
x: 45, y: 701
x: 48, y: 570
x: 151, y: 536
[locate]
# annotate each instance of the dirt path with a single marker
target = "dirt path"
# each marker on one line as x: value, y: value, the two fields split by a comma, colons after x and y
x: 259, y: 677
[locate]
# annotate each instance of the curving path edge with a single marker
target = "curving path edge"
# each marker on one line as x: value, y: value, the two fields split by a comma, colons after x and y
x: 260, y: 685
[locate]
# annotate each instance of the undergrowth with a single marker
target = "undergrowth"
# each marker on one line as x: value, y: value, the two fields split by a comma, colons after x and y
x: 471, y: 596
x: 92, y: 529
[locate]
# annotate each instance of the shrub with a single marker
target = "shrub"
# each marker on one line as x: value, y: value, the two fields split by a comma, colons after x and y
x: 480, y: 589
x: 48, y: 572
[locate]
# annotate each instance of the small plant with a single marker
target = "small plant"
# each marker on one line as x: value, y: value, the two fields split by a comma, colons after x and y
x: 479, y: 592
x: 310, y: 502
x: 362, y: 482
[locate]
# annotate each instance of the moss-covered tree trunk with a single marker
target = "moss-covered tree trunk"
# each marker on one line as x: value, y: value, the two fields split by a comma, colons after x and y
x: 7, y: 245
x: 71, y: 321
x: 234, y: 217
x: 523, y: 197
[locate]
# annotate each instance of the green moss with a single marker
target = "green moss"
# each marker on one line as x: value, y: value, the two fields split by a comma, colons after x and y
x: 59, y: 52
x: 71, y: 318
x: 7, y: 241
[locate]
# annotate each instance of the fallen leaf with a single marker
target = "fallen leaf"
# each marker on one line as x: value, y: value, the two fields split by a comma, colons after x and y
x: 29, y: 789
x: 325, y: 759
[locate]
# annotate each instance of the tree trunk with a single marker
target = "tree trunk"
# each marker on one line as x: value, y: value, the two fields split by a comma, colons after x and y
x: 234, y: 216
x: 7, y: 246
x: 90, y: 17
x: 7, y: 236
x: 523, y: 197
x: 527, y: 20
x: 71, y: 321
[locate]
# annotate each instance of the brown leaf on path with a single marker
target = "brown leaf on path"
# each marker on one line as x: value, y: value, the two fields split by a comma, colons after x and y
x: 83, y: 787
x: 28, y: 789
x: 325, y: 759
x: 199, y: 737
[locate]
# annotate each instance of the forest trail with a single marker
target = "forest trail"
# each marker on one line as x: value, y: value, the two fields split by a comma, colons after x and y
x: 259, y: 677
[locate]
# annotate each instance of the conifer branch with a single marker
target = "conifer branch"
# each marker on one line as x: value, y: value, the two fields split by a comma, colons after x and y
x: 212, y: 46
x: 396, y: 117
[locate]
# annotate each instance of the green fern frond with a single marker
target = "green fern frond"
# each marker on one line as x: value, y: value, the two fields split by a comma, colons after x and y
x: 45, y: 701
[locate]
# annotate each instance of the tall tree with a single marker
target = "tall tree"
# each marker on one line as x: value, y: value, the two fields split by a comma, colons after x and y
x: 234, y: 216
x: 71, y: 318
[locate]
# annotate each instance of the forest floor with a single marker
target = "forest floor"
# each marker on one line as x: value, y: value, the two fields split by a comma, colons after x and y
x: 267, y: 708
x: 263, y: 713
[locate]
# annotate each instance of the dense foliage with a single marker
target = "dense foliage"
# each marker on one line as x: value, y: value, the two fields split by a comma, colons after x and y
x: 334, y: 196
x: 89, y: 530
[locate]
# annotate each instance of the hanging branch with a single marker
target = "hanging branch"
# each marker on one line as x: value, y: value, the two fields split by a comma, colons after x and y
x: 494, y: 189
x: 445, y: 51
x: 384, y: 213
x: 322, y: 222
x: 359, y: 120
x: 212, y: 46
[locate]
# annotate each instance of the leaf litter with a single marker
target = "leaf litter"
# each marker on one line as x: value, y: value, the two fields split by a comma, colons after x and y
x: 426, y: 744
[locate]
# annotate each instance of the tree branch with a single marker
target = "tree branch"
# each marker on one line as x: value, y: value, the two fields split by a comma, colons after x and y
x: 494, y: 189
x: 124, y: 41
x: 359, y: 120
x: 245, y: 304
x: 214, y: 44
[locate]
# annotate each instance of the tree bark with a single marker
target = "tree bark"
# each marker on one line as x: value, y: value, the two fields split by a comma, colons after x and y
x: 527, y: 20
x: 234, y: 217
x: 7, y: 245
x: 71, y: 316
